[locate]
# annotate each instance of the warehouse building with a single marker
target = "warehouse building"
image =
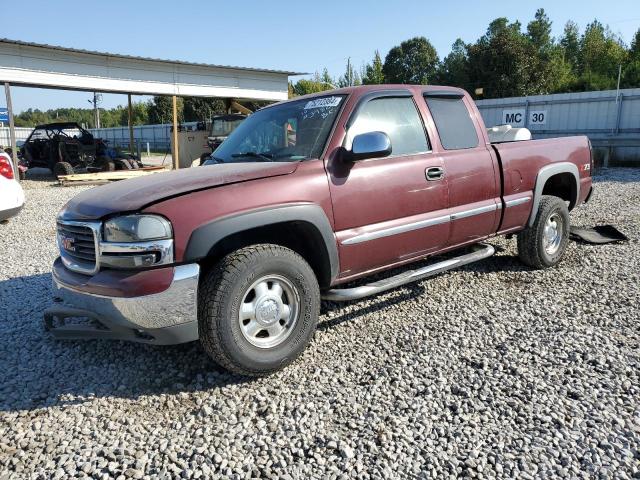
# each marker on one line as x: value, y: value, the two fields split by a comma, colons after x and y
x: 610, y: 118
x: 47, y: 66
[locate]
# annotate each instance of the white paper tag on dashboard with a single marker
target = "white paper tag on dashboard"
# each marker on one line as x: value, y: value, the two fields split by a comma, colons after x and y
x: 323, y: 102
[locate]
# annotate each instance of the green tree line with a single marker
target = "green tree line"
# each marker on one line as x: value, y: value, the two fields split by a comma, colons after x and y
x: 508, y: 60
x: 157, y: 110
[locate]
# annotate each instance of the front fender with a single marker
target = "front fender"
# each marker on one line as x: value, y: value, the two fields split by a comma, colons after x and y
x: 205, y: 237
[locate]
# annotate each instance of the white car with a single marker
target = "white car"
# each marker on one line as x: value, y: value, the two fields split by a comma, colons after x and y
x: 11, y: 194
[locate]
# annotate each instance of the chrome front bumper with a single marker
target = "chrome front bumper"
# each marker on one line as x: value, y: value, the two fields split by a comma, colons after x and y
x: 168, y: 317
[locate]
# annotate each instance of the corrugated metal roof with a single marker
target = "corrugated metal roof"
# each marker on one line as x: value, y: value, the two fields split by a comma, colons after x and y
x: 148, y: 59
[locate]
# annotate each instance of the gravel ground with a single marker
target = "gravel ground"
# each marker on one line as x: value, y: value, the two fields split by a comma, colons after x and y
x: 490, y: 371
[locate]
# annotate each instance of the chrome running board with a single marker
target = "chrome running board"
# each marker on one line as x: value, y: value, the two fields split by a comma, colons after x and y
x: 344, y: 294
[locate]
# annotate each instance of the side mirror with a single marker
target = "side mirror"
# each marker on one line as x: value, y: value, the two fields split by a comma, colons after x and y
x: 370, y: 145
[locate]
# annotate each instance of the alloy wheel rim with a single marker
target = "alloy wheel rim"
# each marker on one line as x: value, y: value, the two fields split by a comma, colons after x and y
x: 552, y: 235
x: 269, y: 311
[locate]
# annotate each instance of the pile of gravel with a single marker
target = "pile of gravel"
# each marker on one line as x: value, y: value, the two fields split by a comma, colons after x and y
x: 493, y: 370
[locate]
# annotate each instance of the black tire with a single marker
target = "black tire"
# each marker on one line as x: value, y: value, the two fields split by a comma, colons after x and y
x: 224, y: 288
x: 102, y: 164
x: 122, y: 164
x: 531, y: 241
x: 134, y: 161
x: 62, y: 168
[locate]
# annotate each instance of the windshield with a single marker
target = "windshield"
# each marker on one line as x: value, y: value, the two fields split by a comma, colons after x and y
x: 289, y: 132
x: 39, y: 134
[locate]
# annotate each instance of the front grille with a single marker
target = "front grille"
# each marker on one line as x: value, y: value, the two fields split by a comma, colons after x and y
x: 77, y: 246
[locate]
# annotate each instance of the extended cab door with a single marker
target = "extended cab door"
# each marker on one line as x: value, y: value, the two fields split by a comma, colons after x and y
x: 472, y: 172
x: 386, y: 211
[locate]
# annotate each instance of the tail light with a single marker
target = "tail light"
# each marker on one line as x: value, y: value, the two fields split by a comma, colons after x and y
x: 6, y: 170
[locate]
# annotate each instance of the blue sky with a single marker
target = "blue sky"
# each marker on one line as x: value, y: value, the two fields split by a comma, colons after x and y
x: 295, y: 36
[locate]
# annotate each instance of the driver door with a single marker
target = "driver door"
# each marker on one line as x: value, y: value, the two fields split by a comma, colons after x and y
x: 386, y: 210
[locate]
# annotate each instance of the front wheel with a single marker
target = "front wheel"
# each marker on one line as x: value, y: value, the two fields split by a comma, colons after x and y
x: 258, y: 309
x: 62, y: 168
x: 543, y: 244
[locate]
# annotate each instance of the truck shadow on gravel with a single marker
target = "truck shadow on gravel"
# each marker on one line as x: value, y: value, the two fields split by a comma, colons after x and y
x: 38, y: 371
x: 353, y: 311
x: 497, y: 263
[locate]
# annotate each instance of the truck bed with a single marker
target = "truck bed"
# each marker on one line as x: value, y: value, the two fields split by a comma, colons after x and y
x: 522, y: 161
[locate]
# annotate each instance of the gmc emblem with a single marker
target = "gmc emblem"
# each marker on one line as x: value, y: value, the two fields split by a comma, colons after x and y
x: 67, y: 243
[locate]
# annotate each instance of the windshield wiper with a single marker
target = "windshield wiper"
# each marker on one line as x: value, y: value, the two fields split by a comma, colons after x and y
x: 265, y: 157
x: 290, y: 155
x: 211, y: 160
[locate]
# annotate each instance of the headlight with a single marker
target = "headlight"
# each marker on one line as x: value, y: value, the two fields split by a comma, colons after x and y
x: 135, y: 241
x: 136, y: 228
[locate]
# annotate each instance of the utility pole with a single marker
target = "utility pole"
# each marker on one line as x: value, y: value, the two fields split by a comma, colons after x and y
x: 130, y: 122
x: 12, y: 129
x: 97, y: 98
x: 176, y: 149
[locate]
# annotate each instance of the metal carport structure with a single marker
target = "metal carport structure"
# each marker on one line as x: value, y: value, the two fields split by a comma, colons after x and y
x: 38, y: 65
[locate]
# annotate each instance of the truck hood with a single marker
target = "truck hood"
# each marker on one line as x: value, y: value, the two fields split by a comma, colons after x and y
x: 136, y: 193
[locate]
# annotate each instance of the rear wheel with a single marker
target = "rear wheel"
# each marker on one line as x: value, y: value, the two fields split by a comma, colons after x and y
x: 122, y: 164
x: 62, y: 168
x: 258, y: 309
x: 543, y: 244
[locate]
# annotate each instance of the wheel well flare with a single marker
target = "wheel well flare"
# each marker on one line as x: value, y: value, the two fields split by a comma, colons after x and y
x: 300, y: 236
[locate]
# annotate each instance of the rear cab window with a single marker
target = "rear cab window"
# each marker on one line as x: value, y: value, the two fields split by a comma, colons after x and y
x: 399, y: 118
x: 453, y: 121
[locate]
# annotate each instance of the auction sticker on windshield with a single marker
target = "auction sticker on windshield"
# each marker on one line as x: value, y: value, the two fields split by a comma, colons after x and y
x: 323, y: 102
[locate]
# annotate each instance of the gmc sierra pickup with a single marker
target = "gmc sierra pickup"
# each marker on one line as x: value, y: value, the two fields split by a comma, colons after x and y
x: 304, y: 197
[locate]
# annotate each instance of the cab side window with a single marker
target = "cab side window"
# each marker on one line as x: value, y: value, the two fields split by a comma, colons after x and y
x: 453, y: 122
x: 398, y: 118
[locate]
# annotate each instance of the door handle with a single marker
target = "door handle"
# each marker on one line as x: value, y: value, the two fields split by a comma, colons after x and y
x: 434, y: 173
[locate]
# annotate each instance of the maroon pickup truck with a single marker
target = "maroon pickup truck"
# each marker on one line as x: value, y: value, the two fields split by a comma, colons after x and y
x: 303, y: 198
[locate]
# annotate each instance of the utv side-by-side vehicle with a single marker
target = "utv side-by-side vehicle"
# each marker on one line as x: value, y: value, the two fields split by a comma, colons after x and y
x: 66, y: 147
x: 221, y: 127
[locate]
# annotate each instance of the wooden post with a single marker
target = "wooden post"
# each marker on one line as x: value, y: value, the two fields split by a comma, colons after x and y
x: 12, y: 130
x: 241, y: 108
x: 175, y: 153
x: 131, y: 140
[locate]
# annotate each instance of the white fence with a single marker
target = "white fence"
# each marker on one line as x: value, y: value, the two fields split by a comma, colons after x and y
x: 610, y: 120
x: 21, y: 135
x: 157, y: 136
